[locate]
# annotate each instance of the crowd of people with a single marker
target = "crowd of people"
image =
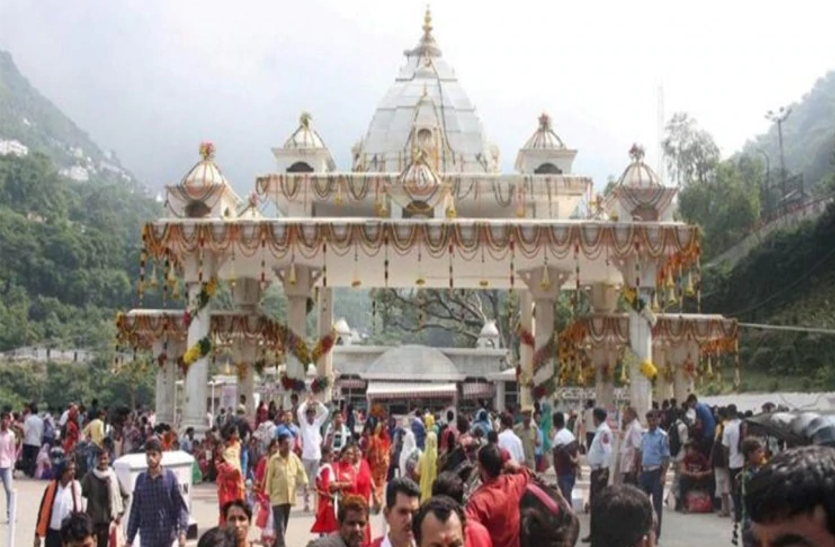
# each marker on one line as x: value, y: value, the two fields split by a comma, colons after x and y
x: 443, y: 478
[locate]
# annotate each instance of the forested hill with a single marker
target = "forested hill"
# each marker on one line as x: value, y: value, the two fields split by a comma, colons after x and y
x: 31, y: 118
x: 808, y: 135
x: 68, y: 250
x: 789, y: 280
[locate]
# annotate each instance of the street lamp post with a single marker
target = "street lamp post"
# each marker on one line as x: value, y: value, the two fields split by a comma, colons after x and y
x: 779, y: 117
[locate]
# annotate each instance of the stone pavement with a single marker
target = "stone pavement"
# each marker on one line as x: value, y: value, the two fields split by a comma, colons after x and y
x: 678, y: 530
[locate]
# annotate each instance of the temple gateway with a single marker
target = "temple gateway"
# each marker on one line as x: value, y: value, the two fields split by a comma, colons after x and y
x: 424, y: 205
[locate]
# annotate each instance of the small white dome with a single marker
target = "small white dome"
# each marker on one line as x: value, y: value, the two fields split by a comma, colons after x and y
x: 305, y: 137
x: 638, y: 174
x: 205, y: 172
x: 489, y: 330
x: 544, y: 138
x: 341, y: 327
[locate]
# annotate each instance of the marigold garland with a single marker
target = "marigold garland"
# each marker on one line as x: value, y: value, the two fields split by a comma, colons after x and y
x: 649, y: 370
x: 638, y: 304
x: 207, y: 292
x: 196, y: 352
x: 240, y: 369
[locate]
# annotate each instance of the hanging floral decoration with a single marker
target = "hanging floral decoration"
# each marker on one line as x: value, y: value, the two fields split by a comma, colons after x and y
x: 196, y: 352
x: 320, y: 384
x: 207, y: 292
x: 241, y: 371
x: 292, y: 384
x: 162, y: 358
x: 689, y: 368
x: 668, y: 373
x: 638, y: 304
x: 648, y: 369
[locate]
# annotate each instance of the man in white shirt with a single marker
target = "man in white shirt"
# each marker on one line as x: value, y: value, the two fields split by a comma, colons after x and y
x: 61, y: 497
x: 631, y: 447
x: 730, y: 445
x: 338, y: 434
x: 32, y: 439
x: 599, y: 457
x: 312, y: 414
x: 509, y: 441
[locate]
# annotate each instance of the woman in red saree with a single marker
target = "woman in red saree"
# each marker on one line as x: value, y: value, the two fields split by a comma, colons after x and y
x: 327, y: 488
x: 379, y: 457
x: 354, y: 476
x: 71, y: 431
x: 230, y: 481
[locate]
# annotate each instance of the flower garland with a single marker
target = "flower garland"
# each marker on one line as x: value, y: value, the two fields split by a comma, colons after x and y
x: 320, y: 384
x: 649, y: 370
x: 196, y: 352
x: 292, y: 384
x: 689, y: 368
x: 298, y: 348
x: 241, y: 371
x: 207, y: 292
x: 638, y: 304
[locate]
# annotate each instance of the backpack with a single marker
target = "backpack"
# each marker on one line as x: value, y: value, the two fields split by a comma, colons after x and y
x: 675, y: 439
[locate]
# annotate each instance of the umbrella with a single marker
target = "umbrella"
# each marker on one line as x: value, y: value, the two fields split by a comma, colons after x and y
x: 795, y: 428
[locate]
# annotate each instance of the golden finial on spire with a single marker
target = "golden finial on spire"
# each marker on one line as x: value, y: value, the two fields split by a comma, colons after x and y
x: 427, y: 22
x: 207, y: 151
x: 304, y: 119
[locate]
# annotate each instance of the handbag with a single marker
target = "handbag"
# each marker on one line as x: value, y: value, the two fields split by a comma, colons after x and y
x: 116, y: 537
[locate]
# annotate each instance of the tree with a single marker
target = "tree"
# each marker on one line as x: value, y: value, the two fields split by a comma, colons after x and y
x: 725, y: 206
x: 690, y: 152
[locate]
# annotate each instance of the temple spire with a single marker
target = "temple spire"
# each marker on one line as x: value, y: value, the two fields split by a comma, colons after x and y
x: 427, y: 47
x: 427, y: 24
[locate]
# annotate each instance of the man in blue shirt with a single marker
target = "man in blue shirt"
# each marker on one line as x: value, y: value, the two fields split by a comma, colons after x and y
x: 158, y: 511
x: 706, y: 423
x: 655, y: 459
x: 287, y: 427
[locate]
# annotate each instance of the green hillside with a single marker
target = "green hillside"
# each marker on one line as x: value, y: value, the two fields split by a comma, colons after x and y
x: 69, y: 252
x: 788, y: 280
x: 29, y: 117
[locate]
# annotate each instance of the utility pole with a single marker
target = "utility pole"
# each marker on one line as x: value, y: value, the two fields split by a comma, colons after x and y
x: 779, y: 117
x: 767, y: 182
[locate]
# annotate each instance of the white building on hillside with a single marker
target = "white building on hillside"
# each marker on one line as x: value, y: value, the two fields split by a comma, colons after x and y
x: 76, y: 173
x: 13, y: 148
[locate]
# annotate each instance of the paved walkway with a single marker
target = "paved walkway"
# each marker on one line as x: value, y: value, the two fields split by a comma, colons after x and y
x: 679, y: 530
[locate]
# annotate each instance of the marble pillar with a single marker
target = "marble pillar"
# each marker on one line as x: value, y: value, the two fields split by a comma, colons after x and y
x: 640, y: 340
x: 525, y: 351
x: 604, y: 386
x: 663, y: 387
x: 297, y: 285
x: 247, y: 294
x: 196, y: 382
x: 499, y: 396
x: 683, y: 385
x: 324, y: 367
x: 166, y: 384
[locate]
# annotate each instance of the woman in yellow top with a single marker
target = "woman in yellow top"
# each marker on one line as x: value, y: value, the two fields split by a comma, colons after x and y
x: 428, y: 466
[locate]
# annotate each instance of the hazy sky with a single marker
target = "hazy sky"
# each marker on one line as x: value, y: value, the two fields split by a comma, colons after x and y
x: 152, y: 78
